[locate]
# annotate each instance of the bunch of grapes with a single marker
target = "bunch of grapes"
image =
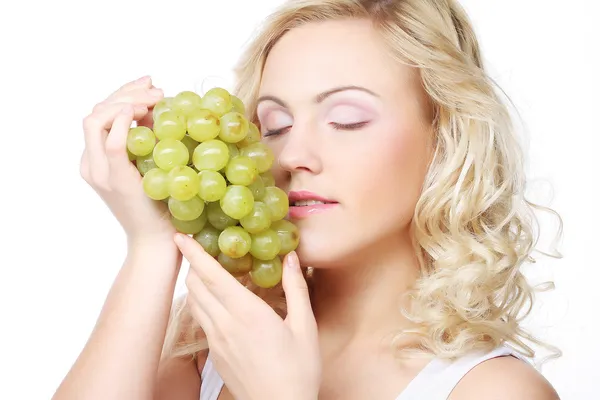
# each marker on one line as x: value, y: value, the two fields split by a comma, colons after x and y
x: 204, y: 158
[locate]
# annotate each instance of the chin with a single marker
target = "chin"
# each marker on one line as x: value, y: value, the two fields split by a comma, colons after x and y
x: 322, y: 253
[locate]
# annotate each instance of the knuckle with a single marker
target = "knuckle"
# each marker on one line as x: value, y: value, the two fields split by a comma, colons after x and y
x: 209, y: 283
x: 122, y: 99
x: 99, y: 107
x: 90, y: 122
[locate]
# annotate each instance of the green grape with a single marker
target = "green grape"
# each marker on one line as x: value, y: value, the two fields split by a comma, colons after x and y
x: 131, y: 156
x: 266, y: 273
x: 234, y: 127
x: 170, y: 153
x: 156, y: 184
x: 234, y: 242
x: 233, y: 150
x: 237, y: 105
x: 212, y: 155
x: 218, y: 218
x: 145, y: 163
x: 212, y: 185
x: 186, y: 210
x: 265, y: 245
x: 252, y: 136
x: 164, y: 104
x: 189, y: 227
x: 258, y: 188
x: 268, y: 179
x: 208, y: 238
x: 241, y: 171
x: 277, y: 201
x: 237, y: 201
x: 169, y: 125
x: 140, y: 140
x: 258, y: 220
x: 191, y: 145
x: 184, y: 183
x: 261, y: 154
x: 186, y: 102
x: 217, y: 100
x: 203, y: 125
x: 289, y: 236
x: 236, y: 266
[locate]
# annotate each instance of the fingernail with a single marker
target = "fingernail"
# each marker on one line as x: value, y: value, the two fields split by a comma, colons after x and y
x: 143, y: 79
x: 180, y: 238
x: 292, y: 260
x: 155, y: 92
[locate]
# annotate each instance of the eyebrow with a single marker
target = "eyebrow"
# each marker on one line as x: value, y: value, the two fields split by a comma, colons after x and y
x: 320, y: 97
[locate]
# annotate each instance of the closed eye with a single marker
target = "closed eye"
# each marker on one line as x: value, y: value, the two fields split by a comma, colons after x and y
x: 335, y: 125
x: 274, y: 132
x: 349, y: 127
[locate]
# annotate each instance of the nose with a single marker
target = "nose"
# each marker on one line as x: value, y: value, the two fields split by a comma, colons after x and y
x: 299, y: 150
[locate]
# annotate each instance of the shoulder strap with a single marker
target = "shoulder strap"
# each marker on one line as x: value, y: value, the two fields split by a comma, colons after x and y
x: 211, y: 381
x: 439, y: 378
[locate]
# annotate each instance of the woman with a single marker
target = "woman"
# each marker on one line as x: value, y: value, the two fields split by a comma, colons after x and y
x: 382, y: 117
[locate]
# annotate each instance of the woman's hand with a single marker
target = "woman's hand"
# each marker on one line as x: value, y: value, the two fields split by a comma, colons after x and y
x: 257, y: 353
x: 105, y: 165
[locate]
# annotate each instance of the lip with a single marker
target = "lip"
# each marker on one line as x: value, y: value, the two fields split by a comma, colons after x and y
x: 299, y: 212
x: 306, y: 195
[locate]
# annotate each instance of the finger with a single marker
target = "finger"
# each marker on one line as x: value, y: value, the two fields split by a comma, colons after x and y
x: 225, y: 288
x: 97, y: 124
x: 299, y: 310
x: 197, y: 305
x: 147, y: 120
x: 95, y: 128
x: 145, y: 96
x: 116, y: 143
x: 143, y: 82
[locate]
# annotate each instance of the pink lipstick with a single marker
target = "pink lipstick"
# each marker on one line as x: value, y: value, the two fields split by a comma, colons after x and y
x: 304, y: 203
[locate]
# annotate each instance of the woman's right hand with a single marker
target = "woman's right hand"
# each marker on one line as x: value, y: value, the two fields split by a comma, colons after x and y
x: 105, y: 165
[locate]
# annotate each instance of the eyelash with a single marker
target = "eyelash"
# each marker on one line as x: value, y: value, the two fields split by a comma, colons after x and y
x: 339, y: 127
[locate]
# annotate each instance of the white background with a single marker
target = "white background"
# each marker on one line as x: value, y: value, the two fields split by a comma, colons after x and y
x: 61, y: 248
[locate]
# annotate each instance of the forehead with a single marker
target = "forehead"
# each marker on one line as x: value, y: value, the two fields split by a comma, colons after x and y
x: 318, y: 56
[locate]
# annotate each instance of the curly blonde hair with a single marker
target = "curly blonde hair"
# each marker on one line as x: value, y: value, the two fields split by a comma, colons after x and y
x: 473, y: 227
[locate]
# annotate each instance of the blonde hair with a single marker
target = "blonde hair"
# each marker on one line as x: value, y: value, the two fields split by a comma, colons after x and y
x: 473, y: 227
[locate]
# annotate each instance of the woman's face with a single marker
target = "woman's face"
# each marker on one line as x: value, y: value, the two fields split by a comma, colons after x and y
x: 348, y: 125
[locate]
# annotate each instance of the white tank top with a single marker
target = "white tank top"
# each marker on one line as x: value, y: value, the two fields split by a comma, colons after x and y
x: 435, y: 382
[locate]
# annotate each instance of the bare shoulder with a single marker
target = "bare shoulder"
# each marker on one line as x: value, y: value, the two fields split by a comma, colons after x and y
x: 504, y: 378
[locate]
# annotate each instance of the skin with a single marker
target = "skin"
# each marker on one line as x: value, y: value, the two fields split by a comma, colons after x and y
x: 355, y: 307
x: 360, y: 249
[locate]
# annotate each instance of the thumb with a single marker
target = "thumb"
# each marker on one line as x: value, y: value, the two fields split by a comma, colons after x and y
x: 299, y: 310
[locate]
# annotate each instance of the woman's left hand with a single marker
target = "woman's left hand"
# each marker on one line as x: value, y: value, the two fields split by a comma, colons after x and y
x: 258, y: 354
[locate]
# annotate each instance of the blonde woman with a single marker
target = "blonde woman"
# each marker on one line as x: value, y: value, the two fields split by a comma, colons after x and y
x: 406, y: 183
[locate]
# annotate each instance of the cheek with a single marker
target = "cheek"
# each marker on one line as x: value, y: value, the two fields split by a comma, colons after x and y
x: 390, y: 177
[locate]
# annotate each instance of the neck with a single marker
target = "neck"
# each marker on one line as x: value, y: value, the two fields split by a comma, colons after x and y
x: 363, y: 299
